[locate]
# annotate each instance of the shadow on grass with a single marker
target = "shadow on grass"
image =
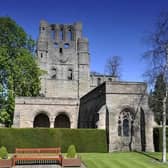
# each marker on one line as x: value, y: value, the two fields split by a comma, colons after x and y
x: 149, y: 156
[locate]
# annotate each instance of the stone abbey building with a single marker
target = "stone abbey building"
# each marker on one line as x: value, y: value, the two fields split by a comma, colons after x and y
x: 72, y: 97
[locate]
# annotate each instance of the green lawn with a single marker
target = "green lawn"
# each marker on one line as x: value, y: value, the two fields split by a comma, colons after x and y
x: 122, y: 160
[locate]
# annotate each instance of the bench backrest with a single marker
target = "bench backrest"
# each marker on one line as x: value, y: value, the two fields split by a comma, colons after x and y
x: 38, y: 150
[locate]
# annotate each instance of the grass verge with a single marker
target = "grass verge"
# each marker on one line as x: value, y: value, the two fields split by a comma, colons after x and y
x: 123, y: 160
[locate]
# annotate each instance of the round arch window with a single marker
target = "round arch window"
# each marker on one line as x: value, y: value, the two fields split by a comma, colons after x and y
x: 62, y: 121
x: 41, y: 120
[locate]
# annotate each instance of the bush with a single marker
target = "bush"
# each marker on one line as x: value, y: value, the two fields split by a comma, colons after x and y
x: 85, y: 140
x: 3, y: 153
x: 71, y: 153
x: 157, y: 136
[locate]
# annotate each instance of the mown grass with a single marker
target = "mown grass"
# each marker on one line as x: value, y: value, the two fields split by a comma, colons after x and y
x: 123, y: 160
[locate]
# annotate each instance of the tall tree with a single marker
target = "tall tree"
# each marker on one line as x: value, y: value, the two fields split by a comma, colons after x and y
x: 19, y: 73
x: 156, y: 99
x: 113, y: 66
x: 158, y: 58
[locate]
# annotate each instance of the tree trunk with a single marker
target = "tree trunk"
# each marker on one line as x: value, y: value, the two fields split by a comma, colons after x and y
x: 164, y: 128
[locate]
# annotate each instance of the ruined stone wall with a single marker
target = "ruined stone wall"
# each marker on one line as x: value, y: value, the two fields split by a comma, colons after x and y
x: 63, y: 54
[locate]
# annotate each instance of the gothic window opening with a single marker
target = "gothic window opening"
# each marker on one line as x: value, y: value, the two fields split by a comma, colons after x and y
x: 41, y: 54
x: 52, y: 34
x: 125, y: 123
x: 69, y: 35
x: 61, y: 34
x: 70, y: 74
x: 60, y: 50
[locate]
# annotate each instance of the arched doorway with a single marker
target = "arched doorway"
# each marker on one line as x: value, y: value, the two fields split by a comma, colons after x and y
x: 41, y: 120
x: 62, y: 121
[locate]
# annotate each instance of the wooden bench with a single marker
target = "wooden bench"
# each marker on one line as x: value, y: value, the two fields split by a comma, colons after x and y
x: 34, y: 155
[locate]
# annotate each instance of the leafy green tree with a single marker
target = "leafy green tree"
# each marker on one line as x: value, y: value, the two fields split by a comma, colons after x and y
x: 19, y: 72
x: 156, y: 98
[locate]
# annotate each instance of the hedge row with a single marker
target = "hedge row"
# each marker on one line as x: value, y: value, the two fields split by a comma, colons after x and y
x: 157, y: 134
x: 85, y: 140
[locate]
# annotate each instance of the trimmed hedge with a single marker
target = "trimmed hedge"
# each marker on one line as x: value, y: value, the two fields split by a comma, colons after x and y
x: 85, y: 140
x: 157, y: 136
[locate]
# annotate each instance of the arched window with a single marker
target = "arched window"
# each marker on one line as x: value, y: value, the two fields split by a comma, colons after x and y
x: 52, y: 33
x: 62, y: 121
x: 61, y: 34
x: 125, y: 123
x: 70, y: 74
x: 69, y: 35
x: 41, y: 120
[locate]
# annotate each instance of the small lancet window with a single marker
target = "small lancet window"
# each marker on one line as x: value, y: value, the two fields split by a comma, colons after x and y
x: 60, y: 50
x: 70, y: 75
x: 41, y: 55
x: 61, y: 34
x: 52, y: 34
x: 69, y: 35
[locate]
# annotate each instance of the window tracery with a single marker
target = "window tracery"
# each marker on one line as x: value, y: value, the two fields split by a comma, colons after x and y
x: 125, y: 123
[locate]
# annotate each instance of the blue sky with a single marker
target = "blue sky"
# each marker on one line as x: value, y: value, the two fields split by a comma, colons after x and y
x: 114, y: 27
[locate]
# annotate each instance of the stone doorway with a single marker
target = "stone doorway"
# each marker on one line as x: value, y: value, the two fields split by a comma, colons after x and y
x: 41, y: 120
x: 62, y: 121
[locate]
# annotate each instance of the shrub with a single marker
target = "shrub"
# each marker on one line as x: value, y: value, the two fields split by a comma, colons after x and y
x: 85, y: 140
x: 71, y: 153
x: 3, y: 153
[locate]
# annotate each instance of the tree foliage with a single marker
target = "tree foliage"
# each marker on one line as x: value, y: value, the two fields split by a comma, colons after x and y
x: 19, y: 73
x: 156, y: 99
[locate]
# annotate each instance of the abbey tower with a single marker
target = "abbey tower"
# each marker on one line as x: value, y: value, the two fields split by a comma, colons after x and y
x: 63, y: 53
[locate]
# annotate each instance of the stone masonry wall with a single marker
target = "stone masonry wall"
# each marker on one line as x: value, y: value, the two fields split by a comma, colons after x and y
x: 26, y: 109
